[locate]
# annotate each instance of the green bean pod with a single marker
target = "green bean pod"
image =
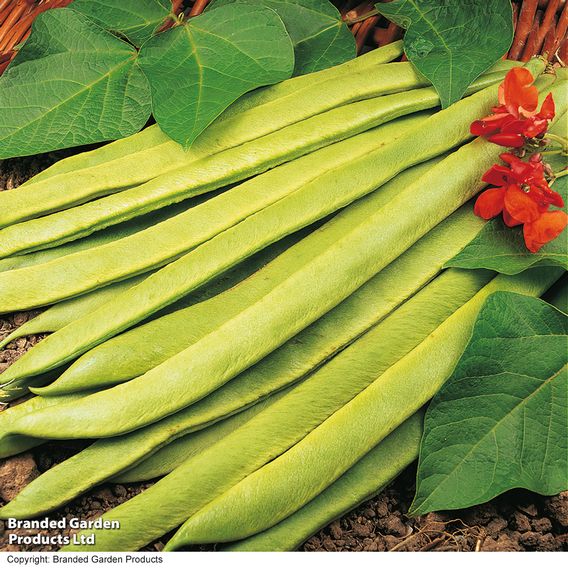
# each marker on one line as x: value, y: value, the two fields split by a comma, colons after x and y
x: 140, y: 349
x: 456, y: 179
x: 59, y: 315
x: 298, y: 301
x: 11, y: 445
x: 67, y: 190
x: 295, y: 360
x: 365, y: 479
x: 168, y: 457
x: 283, y: 486
x: 212, y: 172
x: 63, y: 313
x: 270, y: 432
x: 108, y: 235
x: 157, y: 245
x: 152, y: 136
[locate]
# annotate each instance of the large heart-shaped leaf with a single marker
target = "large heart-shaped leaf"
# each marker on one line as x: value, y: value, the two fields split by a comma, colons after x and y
x: 501, y: 420
x: 452, y: 42
x: 320, y: 36
x: 72, y: 83
x: 198, y: 69
x: 136, y: 20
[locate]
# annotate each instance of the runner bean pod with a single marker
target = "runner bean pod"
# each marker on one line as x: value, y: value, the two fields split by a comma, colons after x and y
x: 159, y: 244
x: 366, y: 478
x: 283, y: 486
x: 271, y: 431
x: 153, y: 136
x: 316, y: 97
x: 456, y: 179
x: 212, y: 172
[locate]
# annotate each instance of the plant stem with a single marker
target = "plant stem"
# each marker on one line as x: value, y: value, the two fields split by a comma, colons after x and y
x: 362, y: 17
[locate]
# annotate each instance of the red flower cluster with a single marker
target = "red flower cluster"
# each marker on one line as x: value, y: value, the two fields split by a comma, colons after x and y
x: 523, y: 196
x: 515, y: 119
x: 521, y: 192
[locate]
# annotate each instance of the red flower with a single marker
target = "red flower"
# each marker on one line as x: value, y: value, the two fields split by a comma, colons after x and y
x: 524, y: 197
x: 522, y: 192
x: 545, y: 229
x: 515, y: 118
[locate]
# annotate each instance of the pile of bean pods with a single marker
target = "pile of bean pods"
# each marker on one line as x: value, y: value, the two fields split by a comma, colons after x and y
x: 255, y: 322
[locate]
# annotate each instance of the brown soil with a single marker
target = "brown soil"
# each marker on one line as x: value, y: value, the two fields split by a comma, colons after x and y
x: 516, y: 521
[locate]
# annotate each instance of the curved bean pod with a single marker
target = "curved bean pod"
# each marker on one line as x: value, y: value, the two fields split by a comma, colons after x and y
x: 10, y: 445
x: 157, y: 245
x: 281, y: 487
x: 270, y: 432
x: 367, y: 306
x: 102, y: 237
x: 56, y: 194
x: 212, y: 361
x: 366, y: 478
x: 212, y: 172
x: 456, y: 180
x: 59, y: 315
x: 153, y: 136
x: 168, y: 457
x: 140, y: 349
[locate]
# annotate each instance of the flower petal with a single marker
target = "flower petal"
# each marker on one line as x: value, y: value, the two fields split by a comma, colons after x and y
x: 518, y: 93
x: 497, y: 175
x: 545, y: 229
x: 547, y: 109
x: 490, y: 203
x: 489, y: 124
x: 510, y: 221
x: 508, y: 140
x: 520, y: 206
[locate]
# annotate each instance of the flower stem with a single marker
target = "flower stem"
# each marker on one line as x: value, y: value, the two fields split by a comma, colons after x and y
x: 362, y: 17
x: 559, y: 139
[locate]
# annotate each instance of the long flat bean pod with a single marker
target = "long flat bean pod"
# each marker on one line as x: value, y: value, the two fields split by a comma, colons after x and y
x: 11, y: 445
x: 365, y: 479
x: 110, y: 234
x: 74, y: 188
x: 387, y: 234
x: 155, y: 246
x: 269, y: 433
x: 283, y: 486
x: 294, y: 360
x: 61, y: 314
x: 140, y: 349
x: 167, y: 458
x: 290, y: 363
x: 310, y: 302
x: 152, y: 136
x: 212, y: 172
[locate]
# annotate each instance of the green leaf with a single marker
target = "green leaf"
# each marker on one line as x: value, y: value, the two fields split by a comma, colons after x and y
x: 321, y: 38
x: 71, y: 83
x: 501, y: 420
x: 452, y: 42
x: 503, y: 249
x: 198, y: 69
x: 136, y: 20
